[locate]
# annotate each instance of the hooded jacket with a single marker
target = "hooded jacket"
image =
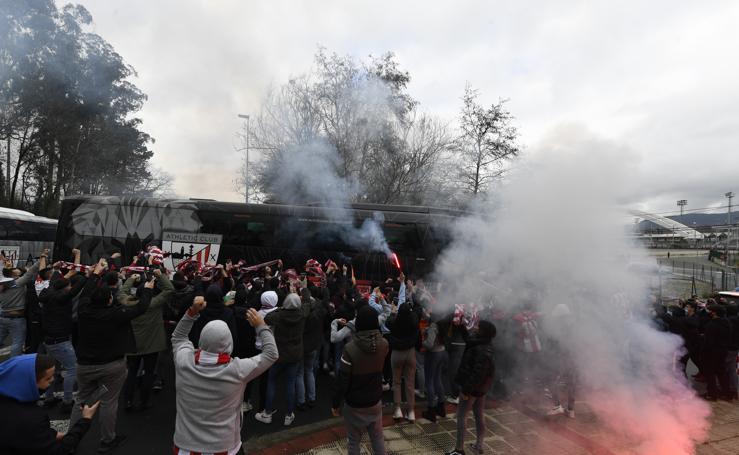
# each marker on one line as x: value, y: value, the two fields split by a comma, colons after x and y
x: 148, y: 328
x: 475, y: 373
x: 216, y: 310
x: 209, y: 396
x: 403, y: 329
x: 315, y: 311
x: 360, y: 374
x: 56, y: 314
x: 289, y: 323
x: 24, y: 427
x: 717, y: 337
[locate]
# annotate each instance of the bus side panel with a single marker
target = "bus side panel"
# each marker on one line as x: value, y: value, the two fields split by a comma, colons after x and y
x: 126, y: 225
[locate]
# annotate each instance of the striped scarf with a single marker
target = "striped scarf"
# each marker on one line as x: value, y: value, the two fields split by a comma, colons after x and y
x: 72, y: 266
x: 210, y: 358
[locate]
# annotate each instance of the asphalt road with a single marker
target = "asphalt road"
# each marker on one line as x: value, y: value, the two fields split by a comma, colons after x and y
x: 151, y: 431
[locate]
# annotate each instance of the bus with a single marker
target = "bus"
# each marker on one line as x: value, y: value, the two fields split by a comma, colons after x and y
x: 214, y: 232
x: 24, y: 235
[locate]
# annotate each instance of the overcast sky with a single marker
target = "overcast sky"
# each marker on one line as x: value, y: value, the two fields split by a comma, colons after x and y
x: 658, y: 78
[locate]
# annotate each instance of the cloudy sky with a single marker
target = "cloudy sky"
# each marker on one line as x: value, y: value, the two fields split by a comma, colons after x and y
x: 657, y: 78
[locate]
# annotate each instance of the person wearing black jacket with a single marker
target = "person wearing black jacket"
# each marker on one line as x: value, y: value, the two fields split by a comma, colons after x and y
x: 105, y: 336
x: 58, y: 326
x: 717, y: 339
x: 403, y: 338
x: 315, y: 311
x: 360, y: 383
x: 24, y: 427
x: 731, y: 354
x: 474, y: 378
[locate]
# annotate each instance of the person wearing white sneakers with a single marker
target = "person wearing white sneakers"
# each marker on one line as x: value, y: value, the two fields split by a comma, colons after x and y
x: 403, y: 338
x: 559, y: 329
x: 288, y: 322
x: 210, y: 383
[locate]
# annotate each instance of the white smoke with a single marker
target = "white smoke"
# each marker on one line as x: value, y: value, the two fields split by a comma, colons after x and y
x: 554, y: 234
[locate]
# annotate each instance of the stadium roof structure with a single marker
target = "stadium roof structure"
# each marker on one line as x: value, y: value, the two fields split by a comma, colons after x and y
x: 678, y: 229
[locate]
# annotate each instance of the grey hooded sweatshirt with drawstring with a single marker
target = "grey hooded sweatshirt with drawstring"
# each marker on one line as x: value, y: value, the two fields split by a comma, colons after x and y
x: 209, y: 396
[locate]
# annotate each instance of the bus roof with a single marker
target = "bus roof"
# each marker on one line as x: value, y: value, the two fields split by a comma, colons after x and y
x: 21, y: 215
x: 391, y: 212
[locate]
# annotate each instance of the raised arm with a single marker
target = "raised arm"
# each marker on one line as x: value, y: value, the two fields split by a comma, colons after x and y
x: 181, y: 344
x: 254, y: 366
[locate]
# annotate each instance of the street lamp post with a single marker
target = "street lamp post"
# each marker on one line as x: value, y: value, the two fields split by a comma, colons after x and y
x: 246, y: 170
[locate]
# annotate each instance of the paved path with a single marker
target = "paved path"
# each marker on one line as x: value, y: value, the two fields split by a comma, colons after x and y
x: 510, y: 429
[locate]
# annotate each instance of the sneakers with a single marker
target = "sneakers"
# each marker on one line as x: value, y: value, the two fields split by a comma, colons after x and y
x: 385, y: 386
x: 557, y: 410
x: 246, y: 406
x: 571, y: 413
x: 452, y: 400
x: 289, y: 418
x: 106, y: 447
x: 420, y: 394
x: 311, y: 404
x: 455, y: 452
x: 411, y: 416
x: 398, y: 414
x: 158, y: 385
x: 264, y: 416
x: 302, y: 407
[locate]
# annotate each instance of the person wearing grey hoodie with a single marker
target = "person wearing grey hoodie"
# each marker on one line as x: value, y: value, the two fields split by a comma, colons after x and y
x: 210, y: 383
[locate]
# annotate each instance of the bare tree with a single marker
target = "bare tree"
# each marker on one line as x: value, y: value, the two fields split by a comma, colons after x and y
x: 387, y: 151
x: 486, y: 142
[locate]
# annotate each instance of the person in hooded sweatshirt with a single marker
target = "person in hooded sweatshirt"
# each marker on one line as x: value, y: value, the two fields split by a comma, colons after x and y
x: 359, y: 383
x: 210, y: 383
x: 474, y: 378
x: 289, y: 323
x: 24, y: 427
x: 216, y: 310
x: 403, y: 338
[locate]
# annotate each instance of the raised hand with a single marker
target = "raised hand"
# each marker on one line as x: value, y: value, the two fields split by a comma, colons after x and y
x: 255, y: 319
x: 198, y: 304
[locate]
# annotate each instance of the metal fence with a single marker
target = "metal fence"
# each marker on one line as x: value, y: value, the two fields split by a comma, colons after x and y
x: 720, y: 278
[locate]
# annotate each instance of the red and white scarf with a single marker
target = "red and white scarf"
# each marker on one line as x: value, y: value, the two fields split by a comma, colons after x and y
x: 211, y: 358
x: 78, y: 267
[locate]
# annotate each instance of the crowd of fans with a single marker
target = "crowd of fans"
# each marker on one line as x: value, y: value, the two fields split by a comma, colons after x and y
x: 232, y: 331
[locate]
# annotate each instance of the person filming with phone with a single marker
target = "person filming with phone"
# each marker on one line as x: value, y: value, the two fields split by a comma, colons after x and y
x: 105, y: 336
x: 24, y: 426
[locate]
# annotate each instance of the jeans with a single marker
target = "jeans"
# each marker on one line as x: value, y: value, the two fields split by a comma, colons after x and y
x: 338, y: 350
x: 420, y: 373
x: 64, y: 353
x: 456, y: 351
x: 404, y: 366
x: 16, y: 328
x: 478, y: 406
x: 359, y: 419
x: 306, y: 378
x: 291, y: 369
x: 147, y: 380
x: 89, y: 379
x: 434, y: 368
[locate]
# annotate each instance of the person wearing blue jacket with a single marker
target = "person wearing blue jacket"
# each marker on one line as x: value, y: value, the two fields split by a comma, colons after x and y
x: 24, y: 427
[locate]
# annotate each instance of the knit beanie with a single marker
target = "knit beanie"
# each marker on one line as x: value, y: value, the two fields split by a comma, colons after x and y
x: 366, y: 319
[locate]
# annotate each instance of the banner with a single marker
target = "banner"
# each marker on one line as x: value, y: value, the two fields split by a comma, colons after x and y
x: 181, y: 246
